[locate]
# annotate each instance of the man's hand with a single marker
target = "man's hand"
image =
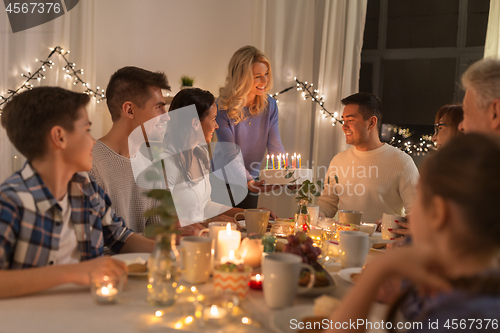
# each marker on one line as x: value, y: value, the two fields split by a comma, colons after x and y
x: 272, y: 215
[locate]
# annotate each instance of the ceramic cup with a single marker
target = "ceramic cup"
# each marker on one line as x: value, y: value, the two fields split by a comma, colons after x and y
x: 389, y: 222
x: 196, y: 257
x: 353, y: 248
x: 213, y: 232
x: 281, y: 278
x: 256, y: 220
x: 314, y: 213
x: 350, y: 216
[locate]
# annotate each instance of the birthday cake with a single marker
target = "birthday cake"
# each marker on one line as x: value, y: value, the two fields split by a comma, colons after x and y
x: 279, y: 176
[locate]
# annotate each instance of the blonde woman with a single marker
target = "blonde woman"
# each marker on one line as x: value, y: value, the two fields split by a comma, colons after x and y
x: 248, y: 116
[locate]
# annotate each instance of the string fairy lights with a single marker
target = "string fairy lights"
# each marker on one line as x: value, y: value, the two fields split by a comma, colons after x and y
x: 400, y: 137
x: 314, y: 95
x: 38, y: 75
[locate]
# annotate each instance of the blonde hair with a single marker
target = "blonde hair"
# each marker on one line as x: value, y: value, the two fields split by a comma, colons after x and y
x: 239, y: 83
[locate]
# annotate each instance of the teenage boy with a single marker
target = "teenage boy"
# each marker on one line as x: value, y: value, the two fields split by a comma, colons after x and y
x: 134, y: 98
x: 54, y: 219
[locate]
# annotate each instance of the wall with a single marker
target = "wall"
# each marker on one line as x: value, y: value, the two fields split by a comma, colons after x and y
x: 195, y: 38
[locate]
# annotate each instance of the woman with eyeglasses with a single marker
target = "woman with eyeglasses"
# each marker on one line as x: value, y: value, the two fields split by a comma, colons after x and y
x: 446, y: 127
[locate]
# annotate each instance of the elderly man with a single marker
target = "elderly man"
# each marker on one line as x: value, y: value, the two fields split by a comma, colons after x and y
x: 373, y: 177
x: 481, y: 104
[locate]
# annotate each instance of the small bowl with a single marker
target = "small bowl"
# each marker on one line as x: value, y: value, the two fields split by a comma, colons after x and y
x: 369, y: 228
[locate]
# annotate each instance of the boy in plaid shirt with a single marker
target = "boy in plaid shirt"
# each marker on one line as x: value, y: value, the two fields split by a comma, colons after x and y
x: 54, y: 218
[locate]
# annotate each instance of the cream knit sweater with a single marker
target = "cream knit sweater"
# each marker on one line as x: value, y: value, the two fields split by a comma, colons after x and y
x: 377, y: 181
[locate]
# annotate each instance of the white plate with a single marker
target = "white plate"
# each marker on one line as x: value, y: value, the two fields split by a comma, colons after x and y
x: 127, y: 257
x: 280, y: 322
x: 346, y: 273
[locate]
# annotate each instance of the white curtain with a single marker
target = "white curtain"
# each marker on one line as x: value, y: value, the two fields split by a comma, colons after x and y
x: 320, y: 42
x: 492, y: 45
x: 72, y: 31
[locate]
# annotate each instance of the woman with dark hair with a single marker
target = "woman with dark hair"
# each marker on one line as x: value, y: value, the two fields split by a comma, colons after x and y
x: 452, y: 269
x: 446, y: 124
x: 187, y: 159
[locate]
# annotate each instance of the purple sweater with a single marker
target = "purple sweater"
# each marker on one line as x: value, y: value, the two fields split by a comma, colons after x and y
x: 253, y: 135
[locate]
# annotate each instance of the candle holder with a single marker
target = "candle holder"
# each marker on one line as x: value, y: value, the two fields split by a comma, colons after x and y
x: 256, y: 282
x: 216, y: 310
x: 251, y: 251
x: 269, y: 242
x: 105, y: 289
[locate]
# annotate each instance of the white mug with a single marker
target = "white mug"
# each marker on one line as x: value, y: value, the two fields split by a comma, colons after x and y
x: 313, y: 213
x: 256, y: 220
x: 213, y: 232
x: 350, y: 216
x: 353, y: 248
x: 389, y: 222
x: 281, y: 278
x: 196, y: 257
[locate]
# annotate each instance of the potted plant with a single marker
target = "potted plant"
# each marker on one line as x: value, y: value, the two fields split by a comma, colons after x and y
x: 186, y: 81
x: 304, y: 193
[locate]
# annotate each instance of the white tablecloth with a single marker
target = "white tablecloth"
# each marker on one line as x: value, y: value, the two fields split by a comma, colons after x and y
x: 70, y: 308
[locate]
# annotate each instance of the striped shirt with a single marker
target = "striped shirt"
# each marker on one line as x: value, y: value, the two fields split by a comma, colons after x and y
x: 31, y: 220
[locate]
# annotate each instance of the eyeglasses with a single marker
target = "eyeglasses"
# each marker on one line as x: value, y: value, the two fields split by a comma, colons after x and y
x: 437, y: 127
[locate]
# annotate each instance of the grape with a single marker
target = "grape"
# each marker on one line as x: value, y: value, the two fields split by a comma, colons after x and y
x: 312, y: 256
x: 318, y: 250
x: 301, y: 237
x: 304, y: 259
x: 287, y: 248
x: 296, y: 250
x: 309, y: 240
x: 308, y: 248
x: 292, y: 240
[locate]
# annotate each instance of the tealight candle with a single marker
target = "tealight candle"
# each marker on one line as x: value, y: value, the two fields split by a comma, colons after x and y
x: 106, y: 294
x: 105, y: 289
x: 228, y: 240
x: 256, y: 282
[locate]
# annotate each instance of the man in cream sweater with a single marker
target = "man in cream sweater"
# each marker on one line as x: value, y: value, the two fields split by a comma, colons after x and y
x: 373, y: 177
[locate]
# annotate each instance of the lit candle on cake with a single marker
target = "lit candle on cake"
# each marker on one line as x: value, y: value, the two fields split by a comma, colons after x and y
x: 294, y: 161
x: 267, y: 162
x: 231, y: 259
x: 300, y: 161
x: 279, y: 161
x: 272, y: 160
x: 228, y: 240
x: 286, y: 161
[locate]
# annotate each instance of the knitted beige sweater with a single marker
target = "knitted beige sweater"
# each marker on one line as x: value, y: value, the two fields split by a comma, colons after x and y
x: 378, y: 181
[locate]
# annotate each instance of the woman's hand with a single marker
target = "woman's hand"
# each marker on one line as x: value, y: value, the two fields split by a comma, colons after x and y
x: 259, y: 186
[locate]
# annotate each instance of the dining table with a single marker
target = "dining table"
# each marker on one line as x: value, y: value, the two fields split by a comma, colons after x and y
x: 70, y: 308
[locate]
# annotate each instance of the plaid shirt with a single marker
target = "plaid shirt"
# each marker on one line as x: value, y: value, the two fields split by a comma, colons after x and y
x: 31, y: 220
